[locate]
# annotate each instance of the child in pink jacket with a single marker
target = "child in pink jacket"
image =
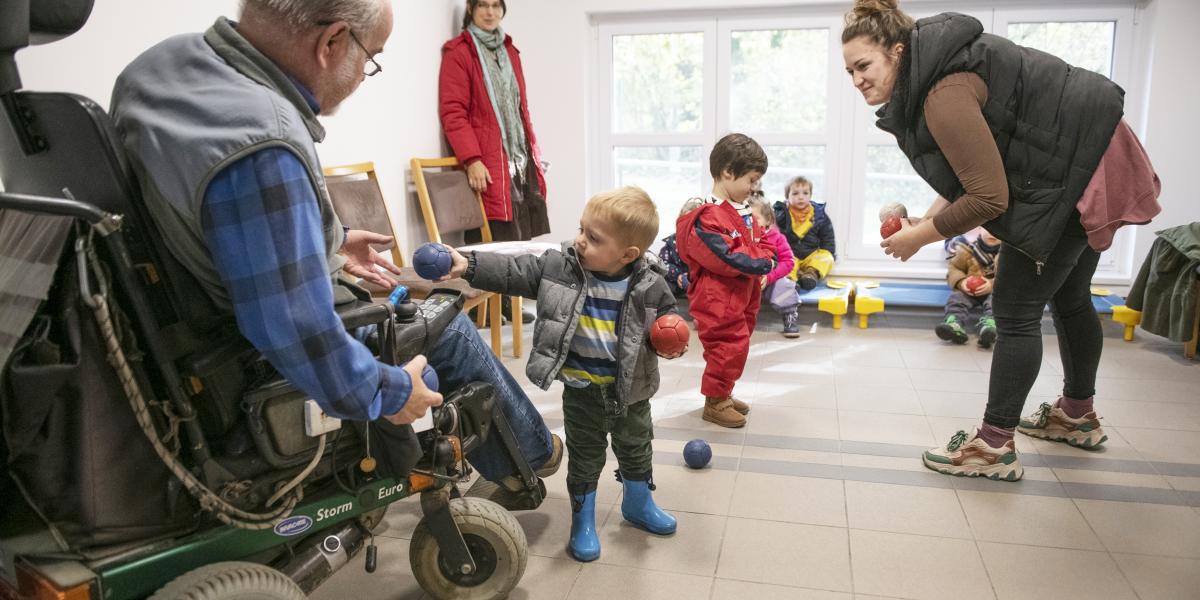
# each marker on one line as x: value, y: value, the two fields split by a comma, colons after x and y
x: 778, y: 289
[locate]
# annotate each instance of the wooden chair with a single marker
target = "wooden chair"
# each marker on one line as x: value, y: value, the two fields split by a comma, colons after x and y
x: 459, y: 209
x: 358, y: 202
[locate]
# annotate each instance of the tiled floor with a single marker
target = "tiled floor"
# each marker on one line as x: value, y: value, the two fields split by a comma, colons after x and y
x: 823, y: 496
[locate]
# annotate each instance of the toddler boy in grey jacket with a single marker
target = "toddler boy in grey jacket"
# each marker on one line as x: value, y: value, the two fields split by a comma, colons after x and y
x: 596, y: 301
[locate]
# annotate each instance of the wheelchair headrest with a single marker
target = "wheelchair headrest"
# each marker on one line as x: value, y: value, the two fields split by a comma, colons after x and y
x: 25, y: 22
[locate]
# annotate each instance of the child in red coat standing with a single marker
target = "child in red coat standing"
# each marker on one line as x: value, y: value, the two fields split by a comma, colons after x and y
x: 726, y: 258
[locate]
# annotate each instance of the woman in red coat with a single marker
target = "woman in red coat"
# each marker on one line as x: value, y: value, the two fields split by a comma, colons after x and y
x: 485, y: 113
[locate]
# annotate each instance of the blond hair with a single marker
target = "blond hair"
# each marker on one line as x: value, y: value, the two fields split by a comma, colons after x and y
x: 628, y: 214
x: 763, y: 210
x: 880, y: 21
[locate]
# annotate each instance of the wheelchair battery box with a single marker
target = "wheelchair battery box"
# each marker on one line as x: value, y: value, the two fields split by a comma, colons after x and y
x: 275, y: 415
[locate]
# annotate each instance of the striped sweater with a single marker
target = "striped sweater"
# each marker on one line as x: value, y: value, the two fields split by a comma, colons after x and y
x: 592, y: 358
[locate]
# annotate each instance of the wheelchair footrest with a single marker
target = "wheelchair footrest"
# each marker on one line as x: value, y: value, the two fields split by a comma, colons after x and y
x: 523, y: 500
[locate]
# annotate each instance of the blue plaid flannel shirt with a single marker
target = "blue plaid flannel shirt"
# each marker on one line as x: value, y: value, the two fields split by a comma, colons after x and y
x: 263, y: 231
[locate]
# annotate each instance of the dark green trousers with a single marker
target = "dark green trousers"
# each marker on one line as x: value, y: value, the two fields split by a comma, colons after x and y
x: 590, y: 415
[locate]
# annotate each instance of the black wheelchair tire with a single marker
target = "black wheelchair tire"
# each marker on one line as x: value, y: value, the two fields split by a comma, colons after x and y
x: 485, y: 524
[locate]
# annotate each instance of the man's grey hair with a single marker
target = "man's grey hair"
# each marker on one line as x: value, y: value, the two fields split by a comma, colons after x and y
x: 298, y: 15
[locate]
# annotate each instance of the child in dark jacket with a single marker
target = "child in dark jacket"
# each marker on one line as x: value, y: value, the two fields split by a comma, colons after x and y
x: 596, y: 301
x: 726, y: 258
x: 677, y: 271
x: 809, y: 232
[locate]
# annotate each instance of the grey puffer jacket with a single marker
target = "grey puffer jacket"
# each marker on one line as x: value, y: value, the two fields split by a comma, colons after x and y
x: 558, y: 283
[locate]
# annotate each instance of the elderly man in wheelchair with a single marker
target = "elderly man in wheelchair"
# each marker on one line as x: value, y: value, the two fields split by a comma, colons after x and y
x: 192, y: 390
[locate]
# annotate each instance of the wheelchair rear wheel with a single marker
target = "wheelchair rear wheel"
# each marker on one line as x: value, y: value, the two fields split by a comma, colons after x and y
x: 497, y: 544
x: 231, y: 581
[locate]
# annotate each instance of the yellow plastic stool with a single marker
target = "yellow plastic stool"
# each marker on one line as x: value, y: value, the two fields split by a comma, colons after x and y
x: 1129, y: 318
x: 837, y: 305
x: 864, y: 306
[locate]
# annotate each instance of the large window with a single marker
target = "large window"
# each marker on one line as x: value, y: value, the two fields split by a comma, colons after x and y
x: 670, y: 89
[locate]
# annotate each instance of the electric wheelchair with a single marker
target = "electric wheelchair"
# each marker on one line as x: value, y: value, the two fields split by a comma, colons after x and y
x: 148, y: 450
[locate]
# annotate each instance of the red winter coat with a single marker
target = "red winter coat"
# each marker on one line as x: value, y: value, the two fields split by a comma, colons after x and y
x: 726, y: 261
x: 470, y: 124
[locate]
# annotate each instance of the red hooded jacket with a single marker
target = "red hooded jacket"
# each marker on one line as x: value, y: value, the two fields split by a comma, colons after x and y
x: 470, y: 124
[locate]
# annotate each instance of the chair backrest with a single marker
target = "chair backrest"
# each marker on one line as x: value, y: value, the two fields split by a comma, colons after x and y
x: 448, y: 203
x: 358, y: 202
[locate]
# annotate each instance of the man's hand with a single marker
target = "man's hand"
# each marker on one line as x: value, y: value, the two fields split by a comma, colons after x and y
x: 478, y: 176
x: 458, y: 266
x: 419, y: 399
x: 364, y: 262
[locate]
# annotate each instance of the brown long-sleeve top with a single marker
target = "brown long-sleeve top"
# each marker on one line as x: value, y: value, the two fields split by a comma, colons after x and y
x: 954, y: 114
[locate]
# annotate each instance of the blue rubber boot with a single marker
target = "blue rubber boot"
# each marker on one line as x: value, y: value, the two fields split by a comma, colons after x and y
x: 584, y: 545
x: 639, y: 508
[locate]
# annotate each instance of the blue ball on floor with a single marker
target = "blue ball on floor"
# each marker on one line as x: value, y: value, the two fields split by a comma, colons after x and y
x: 697, y: 453
x: 432, y: 261
x: 430, y: 377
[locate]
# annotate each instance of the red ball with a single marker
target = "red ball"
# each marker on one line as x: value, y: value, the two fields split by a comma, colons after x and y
x: 890, y: 227
x: 669, y: 334
x: 975, y: 282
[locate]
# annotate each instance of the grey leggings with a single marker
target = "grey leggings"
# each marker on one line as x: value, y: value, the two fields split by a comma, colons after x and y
x: 1018, y: 302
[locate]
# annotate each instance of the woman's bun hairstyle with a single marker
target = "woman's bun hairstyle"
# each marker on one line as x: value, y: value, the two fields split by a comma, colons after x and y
x: 881, y: 21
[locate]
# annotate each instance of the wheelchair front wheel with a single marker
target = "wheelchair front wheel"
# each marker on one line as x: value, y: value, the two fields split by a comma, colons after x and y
x: 497, y: 544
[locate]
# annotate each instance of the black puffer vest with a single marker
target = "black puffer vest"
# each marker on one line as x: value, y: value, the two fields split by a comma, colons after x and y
x: 1052, y: 123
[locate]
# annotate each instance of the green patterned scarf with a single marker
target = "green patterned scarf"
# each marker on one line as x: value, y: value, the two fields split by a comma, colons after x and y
x: 502, y: 88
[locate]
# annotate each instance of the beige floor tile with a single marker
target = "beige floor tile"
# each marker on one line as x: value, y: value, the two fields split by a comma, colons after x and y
x: 791, y: 455
x: 878, y: 398
x: 942, y: 380
x: 953, y: 404
x: 1153, y: 415
x: 794, y: 395
x: 905, y: 509
x: 401, y: 519
x: 1163, y: 445
x: 793, y: 422
x: 953, y: 358
x: 392, y: 580
x: 605, y: 582
x: 891, y: 463
x: 911, y: 566
x: 705, y: 491
x: 548, y: 528
x: 808, y: 556
x: 1160, y: 389
x: 867, y: 355
x: 770, y: 347
x: 1187, y: 484
x: 728, y: 589
x: 791, y: 499
x: 546, y: 578
x: 882, y: 428
x: 1032, y: 520
x: 1144, y: 528
x: 895, y: 377
x: 692, y: 549
x: 812, y: 368
x: 1160, y: 578
x: 1111, y: 478
x: 1029, y: 572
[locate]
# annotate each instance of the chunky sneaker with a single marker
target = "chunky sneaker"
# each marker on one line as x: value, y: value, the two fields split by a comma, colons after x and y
x: 1051, y: 423
x: 987, y: 332
x: 722, y: 411
x: 973, y: 457
x: 791, y: 324
x: 951, y: 330
x: 808, y: 279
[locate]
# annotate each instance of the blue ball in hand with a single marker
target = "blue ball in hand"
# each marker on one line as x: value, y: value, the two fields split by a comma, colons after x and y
x: 432, y: 261
x: 429, y: 376
x: 697, y: 453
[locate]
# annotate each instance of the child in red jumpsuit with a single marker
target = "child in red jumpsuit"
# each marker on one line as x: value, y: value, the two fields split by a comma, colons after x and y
x: 726, y: 256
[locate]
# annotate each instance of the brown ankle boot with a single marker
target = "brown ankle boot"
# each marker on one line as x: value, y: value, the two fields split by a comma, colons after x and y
x: 740, y: 406
x: 722, y: 412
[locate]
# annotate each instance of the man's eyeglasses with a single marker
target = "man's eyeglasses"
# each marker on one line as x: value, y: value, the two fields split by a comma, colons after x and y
x: 371, y: 68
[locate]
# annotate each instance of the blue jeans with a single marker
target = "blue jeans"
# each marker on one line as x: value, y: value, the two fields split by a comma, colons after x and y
x: 460, y: 357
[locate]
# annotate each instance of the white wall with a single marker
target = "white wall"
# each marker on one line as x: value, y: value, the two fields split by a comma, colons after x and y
x: 1172, y: 130
x: 390, y: 119
x: 555, y: 40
